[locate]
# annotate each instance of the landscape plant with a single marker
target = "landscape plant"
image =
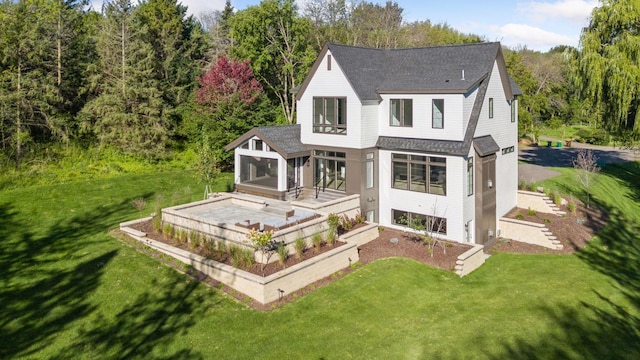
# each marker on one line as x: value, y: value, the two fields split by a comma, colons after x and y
x: 586, y: 165
x: 283, y: 252
x: 317, y: 241
x: 262, y: 242
x: 300, y: 246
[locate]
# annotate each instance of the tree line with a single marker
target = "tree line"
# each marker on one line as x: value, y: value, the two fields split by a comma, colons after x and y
x: 148, y: 80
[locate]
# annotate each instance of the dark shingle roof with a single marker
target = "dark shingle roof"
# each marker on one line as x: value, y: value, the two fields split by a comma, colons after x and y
x: 485, y: 145
x: 429, y: 69
x: 285, y: 140
x: 445, y: 147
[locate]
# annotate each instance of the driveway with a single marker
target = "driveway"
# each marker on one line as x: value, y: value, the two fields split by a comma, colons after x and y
x: 539, y: 158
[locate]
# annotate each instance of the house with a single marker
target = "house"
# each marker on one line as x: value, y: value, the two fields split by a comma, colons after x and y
x: 427, y: 134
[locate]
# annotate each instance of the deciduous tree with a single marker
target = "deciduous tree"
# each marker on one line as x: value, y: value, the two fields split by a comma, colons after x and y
x: 607, y: 65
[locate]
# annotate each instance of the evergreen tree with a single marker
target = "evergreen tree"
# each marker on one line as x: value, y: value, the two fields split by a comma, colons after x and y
x: 128, y: 111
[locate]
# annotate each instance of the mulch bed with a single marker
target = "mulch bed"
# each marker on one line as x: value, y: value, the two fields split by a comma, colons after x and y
x: 574, y: 230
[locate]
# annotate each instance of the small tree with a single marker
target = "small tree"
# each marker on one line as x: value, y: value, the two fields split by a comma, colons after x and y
x: 586, y: 165
x: 262, y: 241
x: 208, y: 165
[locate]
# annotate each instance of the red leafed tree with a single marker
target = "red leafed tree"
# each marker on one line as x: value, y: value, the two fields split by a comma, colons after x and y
x: 228, y: 103
x: 228, y: 82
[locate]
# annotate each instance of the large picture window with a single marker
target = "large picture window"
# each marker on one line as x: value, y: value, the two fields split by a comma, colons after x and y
x: 401, y: 113
x: 330, y: 115
x: 437, y: 114
x: 419, y: 173
x: 431, y: 224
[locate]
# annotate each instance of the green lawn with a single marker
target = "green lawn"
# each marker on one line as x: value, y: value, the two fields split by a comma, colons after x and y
x: 69, y: 290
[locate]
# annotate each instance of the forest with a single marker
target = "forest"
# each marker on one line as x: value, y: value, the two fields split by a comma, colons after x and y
x: 147, y: 82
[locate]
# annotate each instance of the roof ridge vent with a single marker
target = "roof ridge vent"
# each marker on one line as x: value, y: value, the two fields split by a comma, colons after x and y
x: 462, y: 75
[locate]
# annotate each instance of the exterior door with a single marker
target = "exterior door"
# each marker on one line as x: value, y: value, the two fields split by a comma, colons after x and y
x: 486, y: 201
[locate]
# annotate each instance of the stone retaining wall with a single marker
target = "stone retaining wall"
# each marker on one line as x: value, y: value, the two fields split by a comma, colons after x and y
x: 470, y: 260
x: 349, y: 205
x: 262, y: 289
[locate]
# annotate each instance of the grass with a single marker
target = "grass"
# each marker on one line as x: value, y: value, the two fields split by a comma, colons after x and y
x: 69, y: 290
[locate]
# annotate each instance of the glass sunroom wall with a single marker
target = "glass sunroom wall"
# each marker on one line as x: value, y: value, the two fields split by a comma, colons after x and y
x: 259, y: 171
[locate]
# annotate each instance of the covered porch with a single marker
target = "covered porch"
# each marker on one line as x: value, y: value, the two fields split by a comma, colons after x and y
x: 270, y: 162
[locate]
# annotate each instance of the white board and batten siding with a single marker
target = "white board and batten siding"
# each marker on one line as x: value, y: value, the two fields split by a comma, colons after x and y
x: 449, y: 206
x: 423, y: 115
x: 330, y: 83
x: 505, y: 133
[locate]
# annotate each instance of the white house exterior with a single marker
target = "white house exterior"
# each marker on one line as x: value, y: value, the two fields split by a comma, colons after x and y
x: 424, y: 133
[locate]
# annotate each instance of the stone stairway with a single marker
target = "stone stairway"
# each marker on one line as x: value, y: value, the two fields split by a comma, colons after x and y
x: 538, y: 202
x: 529, y: 232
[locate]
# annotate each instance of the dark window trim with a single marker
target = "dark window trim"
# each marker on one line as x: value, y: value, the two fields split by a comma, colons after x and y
x: 470, y: 176
x: 490, y: 108
x: 508, y: 150
x: 335, y: 128
x: 433, y: 112
x: 430, y: 221
x: 402, y: 116
x: 429, y: 161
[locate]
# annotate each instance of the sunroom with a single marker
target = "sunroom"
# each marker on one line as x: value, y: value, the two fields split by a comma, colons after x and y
x: 269, y: 161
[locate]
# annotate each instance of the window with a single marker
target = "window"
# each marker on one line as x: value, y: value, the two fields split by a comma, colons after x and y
x: 490, y: 108
x: 437, y: 114
x: 328, y: 62
x: 432, y: 224
x: 369, y: 170
x: 330, y: 170
x: 469, y: 176
x: 330, y: 115
x: 513, y: 110
x: 420, y: 173
x: 401, y: 112
x: 245, y: 145
x: 508, y: 150
x: 257, y: 145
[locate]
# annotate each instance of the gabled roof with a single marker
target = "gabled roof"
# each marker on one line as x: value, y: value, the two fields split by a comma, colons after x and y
x: 285, y: 140
x: 435, y: 69
x: 445, y: 147
x: 485, y: 145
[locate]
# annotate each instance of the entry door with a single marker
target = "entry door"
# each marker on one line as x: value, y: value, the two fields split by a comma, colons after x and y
x: 486, y: 201
x: 330, y: 174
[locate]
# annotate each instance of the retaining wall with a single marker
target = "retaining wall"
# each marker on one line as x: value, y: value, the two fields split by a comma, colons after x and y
x: 470, y: 260
x: 262, y: 289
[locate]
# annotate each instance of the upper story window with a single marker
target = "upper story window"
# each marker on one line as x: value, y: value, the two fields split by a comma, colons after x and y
x: 419, y: 173
x: 258, y: 145
x: 513, y: 110
x: 330, y: 115
x: 437, y: 114
x: 245, y: 145
x: 401, y: 113
x: 490, y: 108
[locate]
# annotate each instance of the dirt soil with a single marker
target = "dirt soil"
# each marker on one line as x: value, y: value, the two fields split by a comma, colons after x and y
x: 574, y: 231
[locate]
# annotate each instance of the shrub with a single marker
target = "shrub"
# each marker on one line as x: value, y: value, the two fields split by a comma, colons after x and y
x: 235, y: 252
x: 194, y: 239
x: 523, y: 185
x: 283, y: 252
x: 360, y: 218
x: 333, y: 221
x: 346, y: 223
x: 139, y: 203
x: 557, y: 199
x: 248, y: 257
x: 531, y: 212
x: 156, y: 222
x: 331, y: 237
x: 181, y: 236
x: 300, y: 245
x: 519, y: 216
x: 547, y: 221
x: 317, y: 241
x: 167, y: 230
x: 572, y: 207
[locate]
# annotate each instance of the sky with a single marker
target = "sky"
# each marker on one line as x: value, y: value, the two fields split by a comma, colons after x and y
x: 538, y: 24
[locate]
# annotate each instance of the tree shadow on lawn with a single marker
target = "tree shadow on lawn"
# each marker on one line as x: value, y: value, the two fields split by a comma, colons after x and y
x: 146, y: 326
x: 608, y: 330
x: 47, y: 279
